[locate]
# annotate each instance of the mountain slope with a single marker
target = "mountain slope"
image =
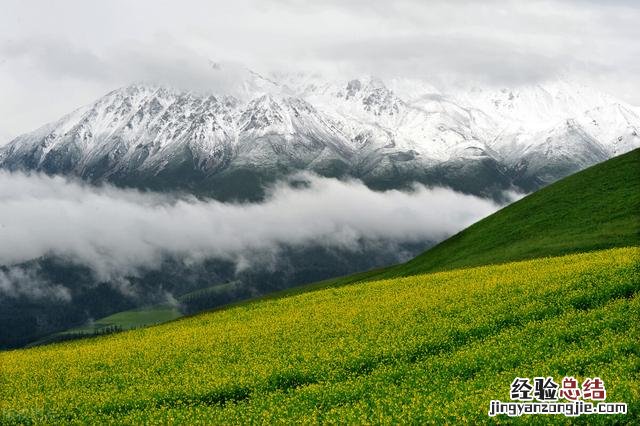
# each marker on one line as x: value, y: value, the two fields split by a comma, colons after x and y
x: 594, y: 209
x: 433, y: 348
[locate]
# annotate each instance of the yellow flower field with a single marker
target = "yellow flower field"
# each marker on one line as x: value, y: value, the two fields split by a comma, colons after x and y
x: 428, y: 348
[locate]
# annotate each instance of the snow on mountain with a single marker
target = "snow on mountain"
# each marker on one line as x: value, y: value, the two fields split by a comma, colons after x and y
x: 474, y: 139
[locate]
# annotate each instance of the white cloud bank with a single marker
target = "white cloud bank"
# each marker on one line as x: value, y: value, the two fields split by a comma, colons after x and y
x: 116, y: 231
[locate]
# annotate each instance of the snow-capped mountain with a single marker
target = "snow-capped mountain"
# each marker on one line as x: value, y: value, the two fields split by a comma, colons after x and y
x: 388, y: 134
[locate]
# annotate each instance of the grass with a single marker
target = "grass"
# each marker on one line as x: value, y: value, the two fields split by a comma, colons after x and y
x: 427, y: 348
x: 595, y: 209
x: 134, y: 318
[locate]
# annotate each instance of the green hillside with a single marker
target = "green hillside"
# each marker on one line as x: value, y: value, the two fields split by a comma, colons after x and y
x: 429, y: 347
x: 594, y: 209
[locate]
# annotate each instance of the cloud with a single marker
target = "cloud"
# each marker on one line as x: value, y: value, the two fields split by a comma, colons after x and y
x: 115, y: 232
x: 161, y: 61
x: 463, y: 57
x: 27, y: 282
x: 57, y: 58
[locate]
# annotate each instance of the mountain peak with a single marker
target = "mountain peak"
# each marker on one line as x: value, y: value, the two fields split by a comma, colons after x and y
x: 400, y: 131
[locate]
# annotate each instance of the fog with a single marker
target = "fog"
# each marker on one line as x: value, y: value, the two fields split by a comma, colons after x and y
x: 18, y: 281
x: 115, y: 232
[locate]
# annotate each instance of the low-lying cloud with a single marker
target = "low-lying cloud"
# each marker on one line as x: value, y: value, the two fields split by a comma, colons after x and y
x: 27, y: 282
x: 115, y: 232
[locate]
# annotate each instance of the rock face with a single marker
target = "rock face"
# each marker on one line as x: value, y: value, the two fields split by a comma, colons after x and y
x: 230, y: 145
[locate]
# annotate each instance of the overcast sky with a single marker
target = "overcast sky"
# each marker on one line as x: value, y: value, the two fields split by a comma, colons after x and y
x: 56, y: 56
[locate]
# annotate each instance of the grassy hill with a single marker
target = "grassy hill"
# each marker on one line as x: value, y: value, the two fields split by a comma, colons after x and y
x: 595, y: 209
x: 402, y: 344
x: 428, y: 348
